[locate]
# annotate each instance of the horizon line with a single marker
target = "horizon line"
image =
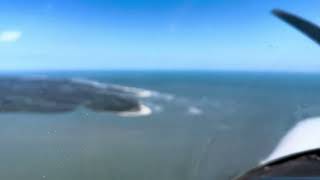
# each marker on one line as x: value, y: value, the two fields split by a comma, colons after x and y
x: 156, y: 70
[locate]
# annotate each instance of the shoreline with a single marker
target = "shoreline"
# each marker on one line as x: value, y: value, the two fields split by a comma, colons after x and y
x: 143, y: 111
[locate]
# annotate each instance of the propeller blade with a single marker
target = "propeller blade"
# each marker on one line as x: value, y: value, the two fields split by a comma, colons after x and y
x: 306, y: 27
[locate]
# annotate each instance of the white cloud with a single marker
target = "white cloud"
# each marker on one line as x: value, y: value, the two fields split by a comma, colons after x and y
x: 10, y: 36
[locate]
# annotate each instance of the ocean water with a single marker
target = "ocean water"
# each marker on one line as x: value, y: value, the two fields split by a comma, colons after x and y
x: 204, y: 125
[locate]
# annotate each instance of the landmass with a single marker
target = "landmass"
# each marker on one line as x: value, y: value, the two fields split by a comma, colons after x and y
x: 47, y: 95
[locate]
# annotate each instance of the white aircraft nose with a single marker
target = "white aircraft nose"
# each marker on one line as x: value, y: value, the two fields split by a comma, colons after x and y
x: 304, y: 136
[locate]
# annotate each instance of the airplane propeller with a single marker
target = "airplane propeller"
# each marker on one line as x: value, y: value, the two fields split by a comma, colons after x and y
x: 306, y: 27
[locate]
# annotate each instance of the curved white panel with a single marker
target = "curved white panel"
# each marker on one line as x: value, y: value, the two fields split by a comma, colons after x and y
x: 302, y: 137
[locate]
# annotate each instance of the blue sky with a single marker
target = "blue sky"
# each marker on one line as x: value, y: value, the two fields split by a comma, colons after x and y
x: 155, y: 34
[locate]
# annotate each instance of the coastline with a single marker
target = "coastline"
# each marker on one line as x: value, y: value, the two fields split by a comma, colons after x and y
x: 143, y: 111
